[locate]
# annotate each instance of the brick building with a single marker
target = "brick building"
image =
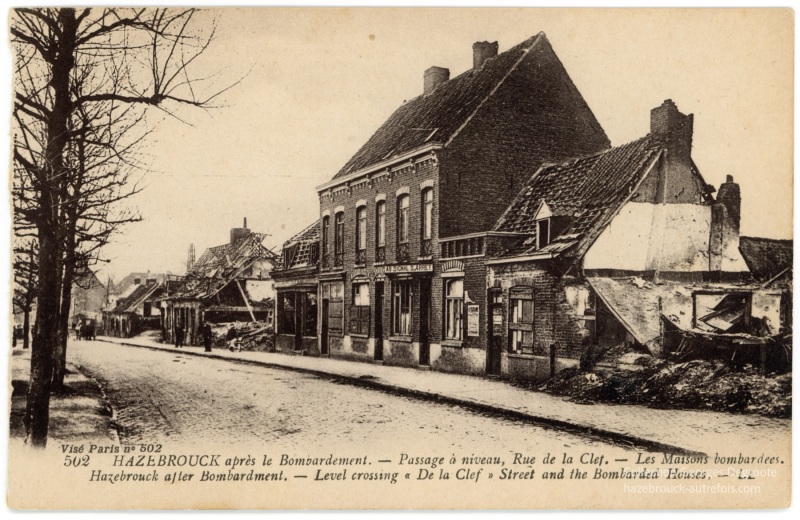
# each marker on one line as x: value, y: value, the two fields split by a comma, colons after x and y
x: 612, y: 242
x: 406, y: 223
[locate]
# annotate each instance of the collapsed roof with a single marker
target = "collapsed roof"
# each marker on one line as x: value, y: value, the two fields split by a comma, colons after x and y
x: 220, y: 265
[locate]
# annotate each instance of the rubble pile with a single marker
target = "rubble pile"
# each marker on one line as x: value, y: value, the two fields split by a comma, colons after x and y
x: 255, y: 337
x: 626, y: 376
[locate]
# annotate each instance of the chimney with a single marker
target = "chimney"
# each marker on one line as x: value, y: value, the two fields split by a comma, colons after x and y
x: 239, y: 233
x: 433, y: 77
x: 731, y: 197
x: 667, y: 119
x: 482, y: 51
x: 725, y: 220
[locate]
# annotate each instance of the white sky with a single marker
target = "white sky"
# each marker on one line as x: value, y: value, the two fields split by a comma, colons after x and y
x: 321, y: 81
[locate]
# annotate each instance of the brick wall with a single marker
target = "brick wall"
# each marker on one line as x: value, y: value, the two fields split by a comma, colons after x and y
x: 537, y: 115
x: 555, y: 320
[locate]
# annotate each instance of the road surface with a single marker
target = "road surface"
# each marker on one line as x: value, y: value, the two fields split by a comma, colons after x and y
x: 165, y: 396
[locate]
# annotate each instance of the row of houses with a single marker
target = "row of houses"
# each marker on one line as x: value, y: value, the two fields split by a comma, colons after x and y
x: 489, y: 227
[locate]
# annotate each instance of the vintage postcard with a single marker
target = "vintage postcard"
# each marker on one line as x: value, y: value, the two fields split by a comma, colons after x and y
x: 400, y: 258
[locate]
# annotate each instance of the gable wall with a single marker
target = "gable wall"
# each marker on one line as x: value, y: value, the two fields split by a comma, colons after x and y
x: 537, y: 115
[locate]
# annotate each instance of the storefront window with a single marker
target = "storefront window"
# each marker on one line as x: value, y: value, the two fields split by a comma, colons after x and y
x: 401, y: 308
x: 454, y: 304
x: 310, y: 314
x: 286, y: 313
x: 359, y: 311
x: 335, y: 293
x: 520, y: 325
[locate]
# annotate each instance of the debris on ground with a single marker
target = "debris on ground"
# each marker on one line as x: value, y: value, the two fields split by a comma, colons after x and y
x: 624, y: 375
x: 252, y: 336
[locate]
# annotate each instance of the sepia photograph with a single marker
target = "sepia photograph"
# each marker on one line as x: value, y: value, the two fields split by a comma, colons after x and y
x: 351, y: 258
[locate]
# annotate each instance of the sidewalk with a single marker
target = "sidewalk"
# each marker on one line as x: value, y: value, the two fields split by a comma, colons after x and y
x: 80, y: 415
x: 644, y: 428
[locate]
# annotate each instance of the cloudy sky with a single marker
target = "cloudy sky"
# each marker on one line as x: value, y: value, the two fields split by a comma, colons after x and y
x: 318, y: 82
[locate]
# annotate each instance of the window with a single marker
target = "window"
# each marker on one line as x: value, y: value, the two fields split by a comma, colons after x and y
x: 427, y: 222
x: 297, y: 311
x: 520, y: 324
x: 338, y: 241
x: 427, y: 213
x: 361, y: 235
x: 454, y: 305
x: 380, y: 231
x: 401, y: 308
x: 542, y: 233
x: 402, y: 219
x: 359, y: 311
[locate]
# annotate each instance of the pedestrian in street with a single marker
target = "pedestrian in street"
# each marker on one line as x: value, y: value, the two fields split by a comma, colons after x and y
x: 179, y: 333
x: 207, y: 336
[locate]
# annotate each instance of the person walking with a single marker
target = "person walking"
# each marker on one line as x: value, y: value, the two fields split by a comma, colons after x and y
x: 179, y: 333
x: 207, y: 336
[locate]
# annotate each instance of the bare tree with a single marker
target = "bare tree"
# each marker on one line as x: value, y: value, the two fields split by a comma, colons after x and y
x: 83, y: 80
x: 25, y: 284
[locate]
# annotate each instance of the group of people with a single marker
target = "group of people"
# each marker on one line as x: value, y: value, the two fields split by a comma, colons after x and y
x: 231, y: 338
x: 85, y: 330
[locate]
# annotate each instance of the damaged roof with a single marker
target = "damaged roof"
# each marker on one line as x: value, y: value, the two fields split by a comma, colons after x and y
x: 302, y: 250
x: 586, y: 191
x: 220, y: 265
x: 139, y: 295
x: 766, y: 257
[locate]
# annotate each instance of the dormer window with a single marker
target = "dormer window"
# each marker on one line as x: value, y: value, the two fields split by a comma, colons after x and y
x: 542, y: 219
x: 542, y: 233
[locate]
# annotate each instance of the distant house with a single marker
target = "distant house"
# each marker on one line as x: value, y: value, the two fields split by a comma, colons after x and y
x: 136, y: 312
x: 227, y: 283
x: 296, y: 283
x: 125, y: 287
x: 612, y: 241
x: 88, y: 296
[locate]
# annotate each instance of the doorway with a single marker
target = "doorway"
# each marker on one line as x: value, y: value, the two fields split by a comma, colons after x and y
x: 495, y: 332
x: 379, y: 321
x: 323, y: 347
x: 424, y: 321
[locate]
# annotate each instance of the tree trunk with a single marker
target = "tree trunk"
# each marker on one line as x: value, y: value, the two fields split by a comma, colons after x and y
x: 26, y: 327
x: 50, y: 233
x: 37, y: 412
x: 60, y: 351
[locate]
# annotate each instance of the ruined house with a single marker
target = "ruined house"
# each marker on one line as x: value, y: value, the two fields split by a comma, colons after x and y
x: 229, y: 282
x: 297, y: 285
x: 612, y: 242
